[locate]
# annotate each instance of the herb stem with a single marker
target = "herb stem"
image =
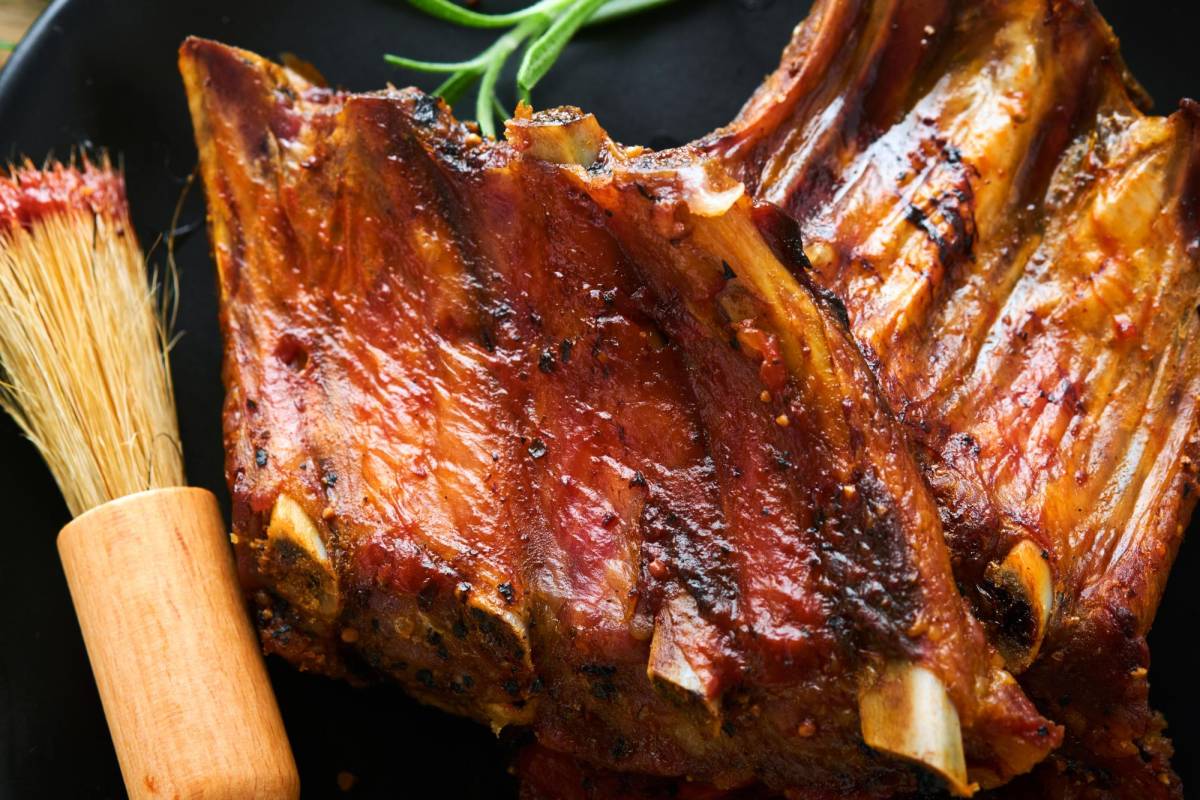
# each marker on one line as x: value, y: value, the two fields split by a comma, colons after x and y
x: 435, y: 66
x: 546, y: 49
x: 544, y: 28
x: 444, y: 9
x: 498, y: 54
x: 453, y: 87
x: 618, y: 9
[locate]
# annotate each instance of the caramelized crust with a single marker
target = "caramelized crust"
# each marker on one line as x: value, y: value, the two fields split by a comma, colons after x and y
x: 479, y: 445
x: 359, y: 385
x: 1015, y: 244
x: 816, y: 479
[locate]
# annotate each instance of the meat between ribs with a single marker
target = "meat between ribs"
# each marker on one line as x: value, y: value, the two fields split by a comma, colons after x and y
x: 644, y: 495
x: 1016, y: 246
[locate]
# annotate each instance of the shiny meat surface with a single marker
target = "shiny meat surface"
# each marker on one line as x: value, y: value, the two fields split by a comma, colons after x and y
x: 845, y: 513
x: 1016, y: 246
x: 491, y: 435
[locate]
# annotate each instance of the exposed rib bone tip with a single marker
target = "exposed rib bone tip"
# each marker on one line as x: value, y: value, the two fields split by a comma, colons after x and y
x: 1025, y: 587
x: 559, y: 136
x: 908, y: 713
x: 670, y: 668
x: 294, y: 542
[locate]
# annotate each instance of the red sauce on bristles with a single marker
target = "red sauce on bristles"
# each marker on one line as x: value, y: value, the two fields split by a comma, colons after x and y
x: 29, y: 194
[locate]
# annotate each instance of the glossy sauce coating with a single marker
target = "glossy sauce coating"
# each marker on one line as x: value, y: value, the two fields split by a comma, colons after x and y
x: 1015, y: 244
x: 516, y: 476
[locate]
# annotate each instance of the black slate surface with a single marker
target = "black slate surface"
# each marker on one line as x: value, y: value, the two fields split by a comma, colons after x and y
x: 103, y: 71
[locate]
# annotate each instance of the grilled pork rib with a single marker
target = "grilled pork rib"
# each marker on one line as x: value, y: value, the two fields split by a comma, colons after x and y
x: 1016, y: 246
x: 641, y: 493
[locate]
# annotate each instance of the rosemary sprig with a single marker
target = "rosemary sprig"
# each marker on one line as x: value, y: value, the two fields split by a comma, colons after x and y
x: 543, y: 29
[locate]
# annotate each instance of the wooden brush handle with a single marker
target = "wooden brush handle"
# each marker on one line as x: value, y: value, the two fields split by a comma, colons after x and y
x: 188, y: 702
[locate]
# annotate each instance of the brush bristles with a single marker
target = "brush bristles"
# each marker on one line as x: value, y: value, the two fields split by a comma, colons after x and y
x: 83, y: 344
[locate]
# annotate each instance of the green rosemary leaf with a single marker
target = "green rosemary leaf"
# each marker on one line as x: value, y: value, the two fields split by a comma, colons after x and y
x: 497, y: 55
x: 483, y: 102
x: 616, y: 9
x: 542, y: 54
x: 7, y: 45
x: 455, y: 86
x: 444, y: 9
x: 473, y: 64
x: 501, y: 111
x: 548, y: 25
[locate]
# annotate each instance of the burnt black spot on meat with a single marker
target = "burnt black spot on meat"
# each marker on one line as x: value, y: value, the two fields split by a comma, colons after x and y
x: 497, y: 637
x: 918, y: 217
x: 1126, y: 621
x: 781, y: 459
x: 1009, y: 616
x: 621, y: 749
x: 695, y: 552
x: 426, y: 596
x: 864, y: 562
x: 598, y: 670
x: 834, y: 304
x: 425, y: 109
x: 968, y: 441
x: 506, y: 591
x: 782, y: 233
x: 948, y: 219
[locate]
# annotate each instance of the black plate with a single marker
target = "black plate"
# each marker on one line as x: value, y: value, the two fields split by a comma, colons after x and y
x: 103, y: 71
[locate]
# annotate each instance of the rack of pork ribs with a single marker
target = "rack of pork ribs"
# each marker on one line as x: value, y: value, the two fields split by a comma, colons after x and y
x: 843, y: 452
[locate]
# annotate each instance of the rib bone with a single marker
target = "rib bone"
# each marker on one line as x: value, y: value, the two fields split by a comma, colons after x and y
x: 1023, y: 585
x: 294, y: 544
x: 908, y: 713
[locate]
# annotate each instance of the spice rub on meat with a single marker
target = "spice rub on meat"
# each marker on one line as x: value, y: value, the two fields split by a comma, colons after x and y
x: 1016, y: 246
x: 578, y: 449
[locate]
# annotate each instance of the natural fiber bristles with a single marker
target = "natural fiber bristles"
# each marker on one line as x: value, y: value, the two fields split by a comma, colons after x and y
x: 83, y: 352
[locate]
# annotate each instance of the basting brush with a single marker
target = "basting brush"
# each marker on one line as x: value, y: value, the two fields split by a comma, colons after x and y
x: 84, y: 372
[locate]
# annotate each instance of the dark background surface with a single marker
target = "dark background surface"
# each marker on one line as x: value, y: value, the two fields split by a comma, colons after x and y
x: 103, y: 71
